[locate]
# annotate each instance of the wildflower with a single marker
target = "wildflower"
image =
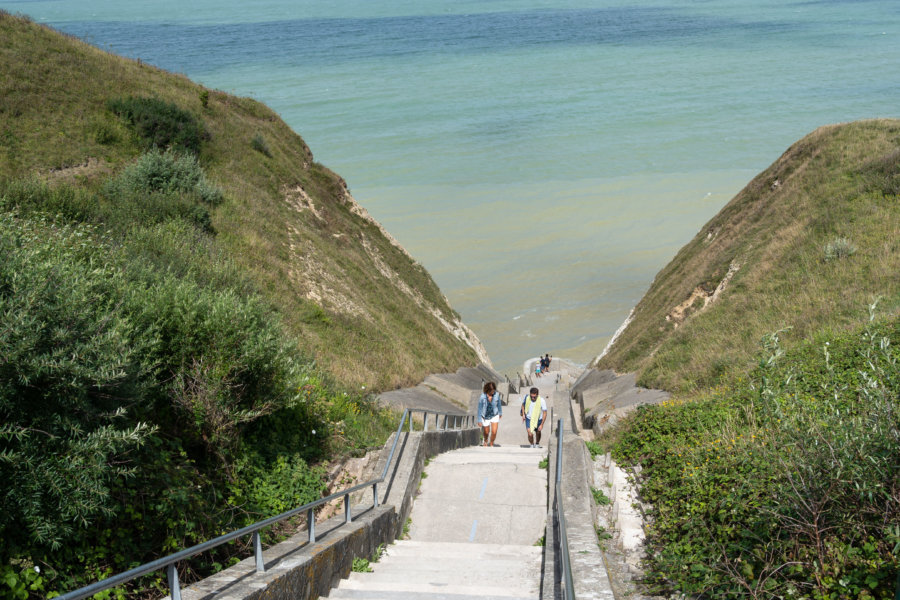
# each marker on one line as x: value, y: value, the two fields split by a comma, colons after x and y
x: 314, y: 432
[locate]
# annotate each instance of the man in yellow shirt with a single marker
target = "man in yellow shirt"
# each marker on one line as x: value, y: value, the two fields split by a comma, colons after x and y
x: 534, y: 412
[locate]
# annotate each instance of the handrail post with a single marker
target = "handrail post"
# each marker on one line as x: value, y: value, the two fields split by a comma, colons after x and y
x: 348, y: 514
x: 257, y: 550
x: 311, y: 524
x: 375, y: 495
x: 425, y: 420
x: 174, y: 586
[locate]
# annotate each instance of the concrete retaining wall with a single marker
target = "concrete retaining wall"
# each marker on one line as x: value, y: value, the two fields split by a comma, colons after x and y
x: 588, y: 563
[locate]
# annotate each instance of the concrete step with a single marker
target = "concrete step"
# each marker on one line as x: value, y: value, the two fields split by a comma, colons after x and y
x: 340, y: 594
x: 448, y: 568
x: 492, y: 455
x: 448, y: 571
x: 471, y: 584
x: 434, y: 577
x: 432, y: 549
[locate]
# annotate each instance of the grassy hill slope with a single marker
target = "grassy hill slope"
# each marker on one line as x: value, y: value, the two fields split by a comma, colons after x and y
x: 807, y: 245
x: 371, y: 314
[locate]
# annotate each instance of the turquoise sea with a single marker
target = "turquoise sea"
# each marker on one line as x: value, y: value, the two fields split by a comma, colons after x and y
x: 543, y: 160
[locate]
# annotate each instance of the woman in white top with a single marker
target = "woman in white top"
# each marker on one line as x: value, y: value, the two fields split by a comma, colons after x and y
x: 490, y: 409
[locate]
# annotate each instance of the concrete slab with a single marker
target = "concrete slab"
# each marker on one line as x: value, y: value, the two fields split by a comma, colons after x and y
x: 591, y: 378
x: 395, y: 595
x: 455, y: 388
x: 509, y: 571
x: 422, y: 397
x: 469, y: 586
x: 430, y: 549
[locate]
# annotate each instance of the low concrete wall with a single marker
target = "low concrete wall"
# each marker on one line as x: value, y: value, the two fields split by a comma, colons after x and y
x: 298, y: 570
x: 588, y: 563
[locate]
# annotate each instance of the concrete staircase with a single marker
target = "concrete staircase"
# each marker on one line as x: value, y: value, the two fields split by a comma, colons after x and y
x: 473, y: 529
x: 448, y: 571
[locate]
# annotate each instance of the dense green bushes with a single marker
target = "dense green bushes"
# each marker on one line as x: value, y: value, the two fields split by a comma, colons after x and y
x: 786, y: 484
x: 149, y: 399
x: 161, y: 124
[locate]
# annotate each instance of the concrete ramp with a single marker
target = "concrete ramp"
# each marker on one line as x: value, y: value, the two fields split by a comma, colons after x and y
x: 422, y: 397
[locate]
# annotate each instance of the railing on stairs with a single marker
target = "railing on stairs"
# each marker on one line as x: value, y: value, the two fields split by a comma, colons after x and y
x: 450, y: 421
x: 568, y: 582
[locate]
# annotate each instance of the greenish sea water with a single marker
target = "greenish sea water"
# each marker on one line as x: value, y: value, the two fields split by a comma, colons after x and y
x: 543, y: 160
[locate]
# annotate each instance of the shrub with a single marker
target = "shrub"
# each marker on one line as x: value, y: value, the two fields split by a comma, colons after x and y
x: 259, y: 144
x: 266, y: 489
x: 69, y: 367
x: 128, y: 393
x: 166, y: 172
x: 839, y: 248
x: 160, y: 124
x: 158, y: 187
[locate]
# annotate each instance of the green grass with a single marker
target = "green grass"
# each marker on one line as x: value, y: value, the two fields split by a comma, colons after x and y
x: 814, y: 239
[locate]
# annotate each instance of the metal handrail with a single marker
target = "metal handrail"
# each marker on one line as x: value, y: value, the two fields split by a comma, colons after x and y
x: 569, y: 591
x: 169, y: 562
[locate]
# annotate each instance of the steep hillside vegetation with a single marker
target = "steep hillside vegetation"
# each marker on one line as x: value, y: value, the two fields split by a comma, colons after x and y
x: 804, y: 248
x: 783, y: 484
x: 190, y: 312
x: 369, y: 313
x: 775, y: 471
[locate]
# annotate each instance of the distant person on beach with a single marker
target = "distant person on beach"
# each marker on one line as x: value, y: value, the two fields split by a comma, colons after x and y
x: 534, y: 412
x: 490, y: 409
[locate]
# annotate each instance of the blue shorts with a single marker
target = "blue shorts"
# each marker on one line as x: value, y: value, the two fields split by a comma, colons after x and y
x: 528, y: 423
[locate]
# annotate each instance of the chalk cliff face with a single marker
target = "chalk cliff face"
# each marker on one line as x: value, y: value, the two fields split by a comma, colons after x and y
x: 326, y: 290
x: 349, y: 293
x: 804, y: 248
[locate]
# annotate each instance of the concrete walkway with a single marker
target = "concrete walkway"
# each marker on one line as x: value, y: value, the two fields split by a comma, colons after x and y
x: 476, y: 525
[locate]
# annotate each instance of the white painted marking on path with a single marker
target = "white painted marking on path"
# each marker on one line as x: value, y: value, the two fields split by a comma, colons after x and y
x: 483, y: 488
